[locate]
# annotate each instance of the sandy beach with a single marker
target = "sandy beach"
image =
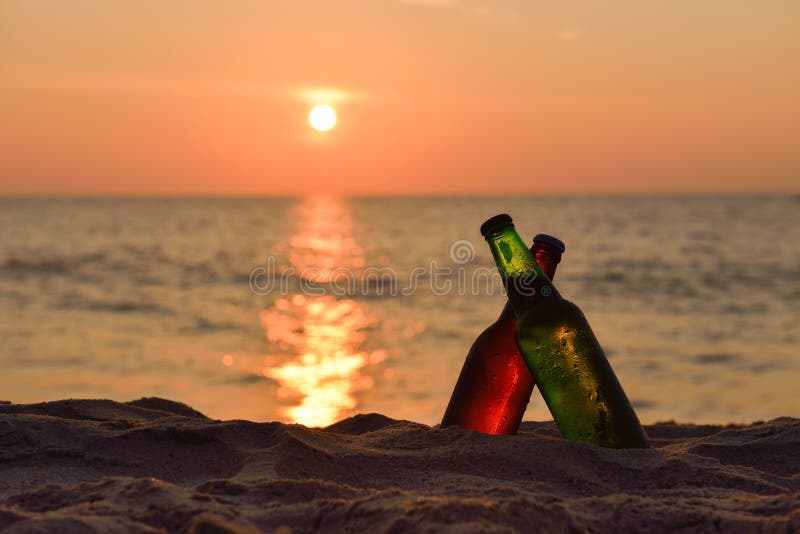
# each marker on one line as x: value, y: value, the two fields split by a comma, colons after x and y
x: 154, y: 464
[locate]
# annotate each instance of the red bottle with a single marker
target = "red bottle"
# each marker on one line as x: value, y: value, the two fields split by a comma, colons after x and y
x: 495, y: 384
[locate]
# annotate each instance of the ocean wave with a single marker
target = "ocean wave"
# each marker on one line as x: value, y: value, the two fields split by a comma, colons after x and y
x: 203, y: 325
x: 73, y: 302
x: 51, y: 264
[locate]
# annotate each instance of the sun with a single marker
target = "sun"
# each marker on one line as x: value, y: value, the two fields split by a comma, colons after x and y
x: 322, y: 117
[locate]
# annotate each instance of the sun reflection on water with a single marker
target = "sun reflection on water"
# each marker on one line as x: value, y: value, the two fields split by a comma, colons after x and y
x: 318, y: 338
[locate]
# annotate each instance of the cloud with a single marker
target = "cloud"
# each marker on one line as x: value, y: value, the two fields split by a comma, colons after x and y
x: 433, y: 2
x: 129, y: 84
x: 325, y: 95
x: 569, y: 34
x: 137, y: 84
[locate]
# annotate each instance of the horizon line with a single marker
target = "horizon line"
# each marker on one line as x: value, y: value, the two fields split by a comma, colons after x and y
x: 234, y: 196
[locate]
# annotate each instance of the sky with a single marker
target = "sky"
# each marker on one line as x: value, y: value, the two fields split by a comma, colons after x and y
x: 200, y: 97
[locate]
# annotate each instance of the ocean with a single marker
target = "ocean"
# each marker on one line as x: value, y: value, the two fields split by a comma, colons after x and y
x: 313, y: 309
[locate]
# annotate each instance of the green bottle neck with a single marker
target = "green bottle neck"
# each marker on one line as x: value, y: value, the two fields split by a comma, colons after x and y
x: 524, y: 280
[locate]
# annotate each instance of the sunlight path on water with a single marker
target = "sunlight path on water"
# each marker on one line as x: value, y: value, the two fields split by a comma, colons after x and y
x: 317, y: 338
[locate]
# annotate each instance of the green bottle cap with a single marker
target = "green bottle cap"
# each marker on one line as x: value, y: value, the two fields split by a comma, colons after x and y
x: 498, y: 222
x: 550, y: 240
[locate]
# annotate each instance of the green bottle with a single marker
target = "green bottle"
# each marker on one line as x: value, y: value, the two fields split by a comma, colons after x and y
x: 565, y: 358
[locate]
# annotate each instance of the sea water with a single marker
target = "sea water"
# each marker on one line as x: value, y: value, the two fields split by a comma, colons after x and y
x: 313, y: 309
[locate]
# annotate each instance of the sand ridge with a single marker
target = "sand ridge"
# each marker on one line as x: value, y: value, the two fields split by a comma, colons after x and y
x: 153, y: 465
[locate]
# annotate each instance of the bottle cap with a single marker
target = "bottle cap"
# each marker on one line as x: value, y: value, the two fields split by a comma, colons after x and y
x: 550, y: 240
x: 498, y: 222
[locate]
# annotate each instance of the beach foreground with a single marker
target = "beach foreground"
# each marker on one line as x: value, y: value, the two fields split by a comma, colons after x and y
x: 99, y: 465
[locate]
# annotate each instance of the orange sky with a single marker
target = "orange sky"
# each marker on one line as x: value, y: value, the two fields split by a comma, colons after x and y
x: 434, y: 96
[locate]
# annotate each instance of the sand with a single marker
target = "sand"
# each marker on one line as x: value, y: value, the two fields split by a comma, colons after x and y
x: 153, y: 465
